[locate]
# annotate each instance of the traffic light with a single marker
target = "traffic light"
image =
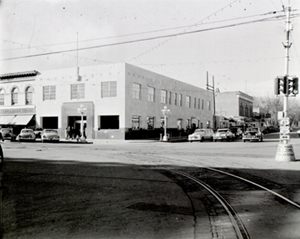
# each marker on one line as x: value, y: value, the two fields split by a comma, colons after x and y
x: 280, y: 85
x: 293, y: 86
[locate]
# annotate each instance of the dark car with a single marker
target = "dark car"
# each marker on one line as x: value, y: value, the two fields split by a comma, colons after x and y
x: 1, y: 158
x: 253, y: 134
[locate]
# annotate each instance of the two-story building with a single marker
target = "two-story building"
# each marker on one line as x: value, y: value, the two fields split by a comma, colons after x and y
x: 117, y: 99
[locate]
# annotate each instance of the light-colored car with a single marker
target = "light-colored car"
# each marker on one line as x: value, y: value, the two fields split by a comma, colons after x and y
x: 50, y: 135
x: 253, y: 134
x: 7, y: 134
x: 224, y: 134
x: 201, y: 134
x: 26, y: 135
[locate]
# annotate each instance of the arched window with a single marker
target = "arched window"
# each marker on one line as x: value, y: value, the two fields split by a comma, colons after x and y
x: 241, y: 110
x: 1, y: 97
x: 28, y: 95
x: 14, y: 96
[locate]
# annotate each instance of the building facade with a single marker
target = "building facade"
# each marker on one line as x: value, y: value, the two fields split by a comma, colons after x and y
x: 233, y: 108
x: 116, y: 98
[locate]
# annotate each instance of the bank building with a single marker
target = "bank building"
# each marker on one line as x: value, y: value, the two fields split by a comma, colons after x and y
x: 116, y: 101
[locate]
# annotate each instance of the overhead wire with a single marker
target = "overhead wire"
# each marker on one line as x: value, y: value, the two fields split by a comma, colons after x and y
x: 146, y: 39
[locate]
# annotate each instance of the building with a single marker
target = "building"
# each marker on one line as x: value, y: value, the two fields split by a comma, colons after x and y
x: 233, y: 108
x: 117, y: 99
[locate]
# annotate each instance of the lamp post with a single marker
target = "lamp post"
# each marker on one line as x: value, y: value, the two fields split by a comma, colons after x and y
x: 82, y: 112
x: 165, y: 112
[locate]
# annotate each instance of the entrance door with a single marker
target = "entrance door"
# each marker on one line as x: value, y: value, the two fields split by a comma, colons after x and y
x: 74, y: 122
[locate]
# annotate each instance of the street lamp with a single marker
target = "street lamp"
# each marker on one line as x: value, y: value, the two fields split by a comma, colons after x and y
x: 82, y: 112
x: 165, y: 112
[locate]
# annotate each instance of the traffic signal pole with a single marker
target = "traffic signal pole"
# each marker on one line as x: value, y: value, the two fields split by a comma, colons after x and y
x: 285, y: 150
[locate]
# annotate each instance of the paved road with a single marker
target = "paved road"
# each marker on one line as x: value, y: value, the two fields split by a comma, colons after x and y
x: 111, y: 190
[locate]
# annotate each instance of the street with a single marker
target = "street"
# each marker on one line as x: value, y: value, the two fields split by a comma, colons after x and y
x: 129, y: 189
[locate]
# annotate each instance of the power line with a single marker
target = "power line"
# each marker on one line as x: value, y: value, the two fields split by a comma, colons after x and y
x: 145, y: 39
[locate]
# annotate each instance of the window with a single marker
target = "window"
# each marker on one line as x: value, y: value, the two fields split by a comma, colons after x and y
x: 28, y: 96
x: 136, y: 121
x: 49, y: 92
x: 136, y: 91
x: 208, y: 105
x: 150, y: 122
x: 108, y: 89
x: 108, y: 122
x: 188, y: 123
x: 246, y: 111
x: 14, y: 96
x: 188, y: 101
x: 175, y: 98
x: 77, y: 91
x: 180, y: 99
x: 195, y: 102
x: 170, y: 97
x: 203, y: 104
x: 179, y: 124
x: 163, y: 98
x: 1, y: 97
x: 241, y: 110
x: 199, y: 104
x: 151, y: 94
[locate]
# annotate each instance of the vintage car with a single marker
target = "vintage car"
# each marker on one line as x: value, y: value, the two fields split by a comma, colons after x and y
x: 7, y: 134
x: 253, y: 134
x: 50, y: 135
x: 201, y: 134
x: 224, y: 134
x: 26, y: 135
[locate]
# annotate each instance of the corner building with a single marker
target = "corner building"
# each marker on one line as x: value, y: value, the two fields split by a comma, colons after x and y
x: 118, y: 101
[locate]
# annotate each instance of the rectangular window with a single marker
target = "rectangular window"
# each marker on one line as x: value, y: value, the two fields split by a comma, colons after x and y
x: 179, y: 124
x: 150, y: 122
x: 202, y: 104
x: 1, y: 99
x: 151, y: 94
x: 49, y: 92
x: 175, y: 99
x: 170, y: 97
x: 208, y: 105
x: 188, y: 101
x: 195, y: 102
x: 108, y: 122
x: 136, y: 121
x: 136, y: 91
x: 163, y: 96
x: 180, y: 99
x: 199, y: 104
x: 108, y: 89
x: 77, y: 91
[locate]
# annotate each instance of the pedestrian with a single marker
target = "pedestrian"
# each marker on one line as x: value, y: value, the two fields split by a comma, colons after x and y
x: 68, y: 132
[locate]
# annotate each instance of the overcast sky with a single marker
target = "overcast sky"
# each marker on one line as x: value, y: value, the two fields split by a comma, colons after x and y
x: 239, y: 42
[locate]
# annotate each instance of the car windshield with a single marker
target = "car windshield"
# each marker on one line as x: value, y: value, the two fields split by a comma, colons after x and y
x: 50, y: 131
x: 252, y: 130
x: 26, y: 131
x: 222, y: 130
x: 199, y: 131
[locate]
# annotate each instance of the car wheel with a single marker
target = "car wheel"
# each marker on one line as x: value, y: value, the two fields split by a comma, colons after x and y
x: 201, y: 140
x: 261, y: 139
x: 244, y: 140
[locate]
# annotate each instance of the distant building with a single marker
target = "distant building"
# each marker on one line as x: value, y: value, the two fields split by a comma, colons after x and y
x: 118, y: 99
x: 233, y: 108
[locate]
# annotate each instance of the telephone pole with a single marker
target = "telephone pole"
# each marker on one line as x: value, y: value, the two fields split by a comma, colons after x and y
x: 285, y: 150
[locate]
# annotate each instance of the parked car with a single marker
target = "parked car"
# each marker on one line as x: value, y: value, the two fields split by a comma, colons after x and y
x: 1, y: 158
x: 253, y: 134
x: 7, y: 134
x: 26, y: 135
x: 298, y: 132
x: 50, y: 135
x: 201, y: 134
x: 224, y: 134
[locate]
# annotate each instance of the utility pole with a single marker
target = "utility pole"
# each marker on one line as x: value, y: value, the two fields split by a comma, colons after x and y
x: 212, y: 88
x: 285, y: 150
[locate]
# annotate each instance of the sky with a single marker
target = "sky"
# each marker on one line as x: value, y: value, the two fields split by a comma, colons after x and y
x: 238, y: 43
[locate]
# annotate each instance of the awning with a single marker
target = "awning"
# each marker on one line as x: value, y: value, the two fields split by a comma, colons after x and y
x: 6, y: 119
x: 21, y: 119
